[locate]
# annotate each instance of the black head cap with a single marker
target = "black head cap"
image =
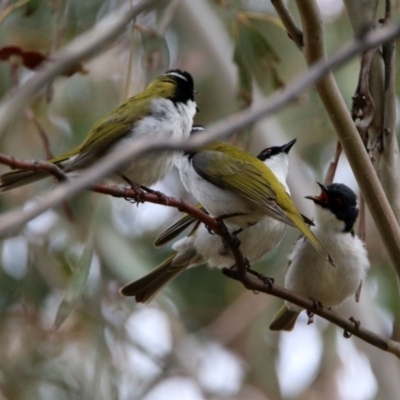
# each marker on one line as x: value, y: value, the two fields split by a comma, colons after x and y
x: 340, y: 200
x: 272, y: 151
x: 184, y: 85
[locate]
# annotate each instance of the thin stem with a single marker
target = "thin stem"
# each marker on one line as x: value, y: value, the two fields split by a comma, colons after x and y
x: 288, y: 21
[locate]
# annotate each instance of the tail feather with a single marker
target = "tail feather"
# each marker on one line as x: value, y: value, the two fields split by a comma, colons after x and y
x: 145, y: 289
x: 284, y: 320
x: 178, y: 227
x: 14, y: 179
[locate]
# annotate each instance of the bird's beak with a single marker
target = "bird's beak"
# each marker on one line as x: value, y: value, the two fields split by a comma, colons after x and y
x: 286, y: 147
x: 323, y: 198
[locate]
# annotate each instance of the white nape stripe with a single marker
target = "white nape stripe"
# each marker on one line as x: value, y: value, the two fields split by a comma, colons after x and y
x: 177, y: 74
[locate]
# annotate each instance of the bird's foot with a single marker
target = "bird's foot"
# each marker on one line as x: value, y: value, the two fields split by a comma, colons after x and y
x: 266, y: 280
x: 357, y: 325
x: 163, y: 198
x: 317, y: 305
x: 139, y: 192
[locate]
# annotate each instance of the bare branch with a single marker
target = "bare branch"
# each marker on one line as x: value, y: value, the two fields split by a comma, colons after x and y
x: 52, y: 169
x: 348, y: 325
x: 289, y: 23
x: 157, y: 198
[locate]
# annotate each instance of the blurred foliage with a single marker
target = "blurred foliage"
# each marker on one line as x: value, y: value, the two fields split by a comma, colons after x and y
x: 204, y: 337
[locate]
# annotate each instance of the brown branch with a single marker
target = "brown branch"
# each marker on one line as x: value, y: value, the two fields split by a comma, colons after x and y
x: 294, y: 32
x: 217, y: 226
x: 330, y: 174
x: 363, y: 108
x: 42, y: 133
x: 372, y: 338
x: 52, y: 169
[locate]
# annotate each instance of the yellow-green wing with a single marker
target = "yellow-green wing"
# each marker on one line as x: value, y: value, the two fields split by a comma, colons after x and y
x: 108, y: 130
x: 248, y: 178
x: 178, y: 227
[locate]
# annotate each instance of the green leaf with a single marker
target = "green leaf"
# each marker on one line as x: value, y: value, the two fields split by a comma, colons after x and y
x: 156, y: 56
x: 245, y: 90
x: 79, y: 275
x: 255, y: 53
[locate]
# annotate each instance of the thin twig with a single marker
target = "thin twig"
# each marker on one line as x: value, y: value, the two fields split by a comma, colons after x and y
x: 330, y: 174
x: 216, y: 226
x: 372, y: 338
x: 52, y: 169
x: 288, y: 21
x: 42, y: 133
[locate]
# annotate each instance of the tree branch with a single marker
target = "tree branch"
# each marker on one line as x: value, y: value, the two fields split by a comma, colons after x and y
x: 16, y: 219
x: 351, y: 142
x: 52, y: 169
x: 218, y: 227
x: 294, y: 32
x: 372, y: 338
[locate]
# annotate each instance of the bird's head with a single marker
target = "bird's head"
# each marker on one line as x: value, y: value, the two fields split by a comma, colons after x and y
x: 336, y: 206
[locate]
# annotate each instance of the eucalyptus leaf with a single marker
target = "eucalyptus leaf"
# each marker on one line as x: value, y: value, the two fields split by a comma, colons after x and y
x: 255, y: 51
x: 156, y: 55
x: 79, y: 275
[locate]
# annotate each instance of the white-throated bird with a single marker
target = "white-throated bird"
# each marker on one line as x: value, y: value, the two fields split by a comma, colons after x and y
x: 308, y: 274
x: 239, y: 188
x: 200, y: 247
x: 165, y: 109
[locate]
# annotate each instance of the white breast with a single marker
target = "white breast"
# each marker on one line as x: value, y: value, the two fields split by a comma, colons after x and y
x: 312, y: 276
x: 166, y: 121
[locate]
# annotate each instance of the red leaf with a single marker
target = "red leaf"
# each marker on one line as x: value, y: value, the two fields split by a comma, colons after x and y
x: 32, y: 59
x: 7, y: 51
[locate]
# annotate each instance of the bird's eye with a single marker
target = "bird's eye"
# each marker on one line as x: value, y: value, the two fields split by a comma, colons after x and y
x: 338, y: 201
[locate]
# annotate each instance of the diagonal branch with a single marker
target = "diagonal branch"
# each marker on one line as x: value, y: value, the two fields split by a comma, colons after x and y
x: 348, y: 325
x: 293, y: 31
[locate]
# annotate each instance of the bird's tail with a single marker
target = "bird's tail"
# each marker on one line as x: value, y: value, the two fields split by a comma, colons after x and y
x: 14, y: 179
x: 178, y: 227
x: 146, y: 288
x: 284, y: 320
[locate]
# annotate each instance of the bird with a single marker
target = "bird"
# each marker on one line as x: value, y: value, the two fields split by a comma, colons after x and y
x: 200, y: 247
x: 239, y: 189
x: 165, y: 109
x: 308, y: 274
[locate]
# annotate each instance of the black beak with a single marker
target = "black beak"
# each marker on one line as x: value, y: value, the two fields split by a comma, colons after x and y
x: 286, y: 147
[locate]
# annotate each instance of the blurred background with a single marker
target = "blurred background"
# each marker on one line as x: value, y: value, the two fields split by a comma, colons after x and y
x: 65, y: 331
